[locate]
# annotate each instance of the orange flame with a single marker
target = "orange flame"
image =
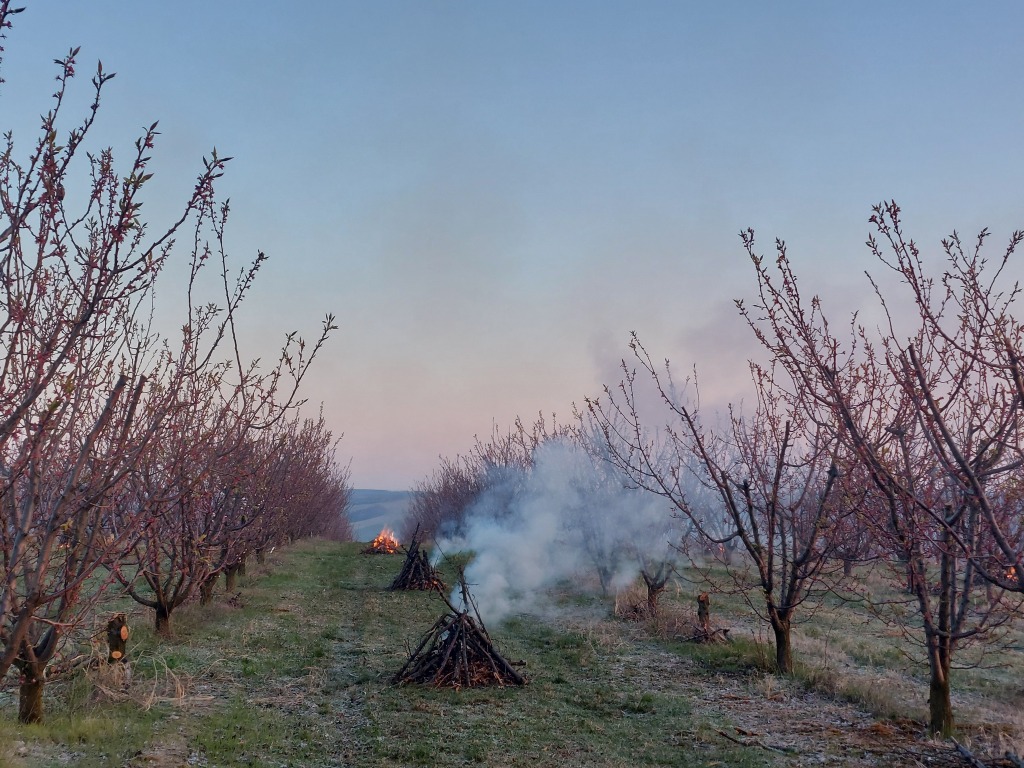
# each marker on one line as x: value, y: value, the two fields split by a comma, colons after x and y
x: 385, y: 543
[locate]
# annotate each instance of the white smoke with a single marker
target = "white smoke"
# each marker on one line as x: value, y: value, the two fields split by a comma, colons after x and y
x: 569, y: 516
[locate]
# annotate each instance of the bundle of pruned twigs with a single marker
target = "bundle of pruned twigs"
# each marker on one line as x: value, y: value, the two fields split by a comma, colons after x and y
x: 417, y: 572
x: 458, y: 653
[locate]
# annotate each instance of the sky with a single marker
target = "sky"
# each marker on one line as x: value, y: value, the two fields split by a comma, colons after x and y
x: 491, y: 196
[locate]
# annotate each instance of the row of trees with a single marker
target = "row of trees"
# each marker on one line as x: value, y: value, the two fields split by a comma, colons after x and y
x: 899, y: 445
x: 440, y: 502
x: 129, y: 456
x: 541, y: 502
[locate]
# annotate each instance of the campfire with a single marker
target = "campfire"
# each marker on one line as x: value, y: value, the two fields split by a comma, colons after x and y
x: 417, y: 572
x: 457, y: 653
x: 384, y: 544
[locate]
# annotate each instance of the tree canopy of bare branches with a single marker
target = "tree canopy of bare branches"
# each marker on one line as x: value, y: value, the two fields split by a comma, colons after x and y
x: 105, y: 422
x: 771, y: 476
x: 930, y: 413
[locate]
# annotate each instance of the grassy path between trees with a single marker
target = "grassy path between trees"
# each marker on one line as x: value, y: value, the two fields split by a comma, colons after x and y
x: 294, y: 670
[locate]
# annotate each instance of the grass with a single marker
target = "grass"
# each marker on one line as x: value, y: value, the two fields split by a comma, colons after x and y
x: 297, y: 672
x: 843, y: 648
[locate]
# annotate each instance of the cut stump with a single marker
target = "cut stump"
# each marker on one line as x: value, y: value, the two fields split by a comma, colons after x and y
x: 117, y: 638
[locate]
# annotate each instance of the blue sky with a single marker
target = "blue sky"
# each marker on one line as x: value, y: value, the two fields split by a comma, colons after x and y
x: 491, y: 196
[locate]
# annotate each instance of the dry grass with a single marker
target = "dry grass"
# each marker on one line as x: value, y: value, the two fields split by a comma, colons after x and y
x: 844, y: 649
x: 674, y: 620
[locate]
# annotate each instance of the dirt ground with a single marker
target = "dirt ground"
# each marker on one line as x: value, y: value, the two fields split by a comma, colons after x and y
x: 798, y: 727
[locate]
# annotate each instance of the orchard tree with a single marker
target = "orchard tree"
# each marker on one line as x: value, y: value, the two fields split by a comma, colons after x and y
x: 87, y: 387
x: 293, y: 488
x: 442, y: 500
x: 79, y: 359
x: 603, y: 539
x: 852, y: 537
x: 199, y: 487
x: 773, y: 473
x: 440, y: 503
x: 311, y: 490
x: 58, y: 487
x: 963, y: 376
x: 931, y: 430
x: 621, y: 530
x: 177, y: 489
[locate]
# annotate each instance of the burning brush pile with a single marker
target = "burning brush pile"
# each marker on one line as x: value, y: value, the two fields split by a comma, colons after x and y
x: 384, y: 544
x: 458, y: 653
x: 417, y: 572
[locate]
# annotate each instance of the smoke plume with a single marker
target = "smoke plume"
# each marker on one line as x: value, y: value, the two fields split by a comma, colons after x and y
x: 569, y: 516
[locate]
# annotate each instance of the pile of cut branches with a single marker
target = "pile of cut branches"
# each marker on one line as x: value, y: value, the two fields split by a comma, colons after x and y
x: 456, y: 652
x: 417, y: 572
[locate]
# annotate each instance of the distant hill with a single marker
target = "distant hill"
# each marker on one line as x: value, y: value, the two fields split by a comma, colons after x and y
x: 371, y: 510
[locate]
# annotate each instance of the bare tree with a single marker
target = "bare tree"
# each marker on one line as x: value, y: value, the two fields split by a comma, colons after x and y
x: 301, y: 492
x: 962, y: 374
x: 80, y: 361
x: 440, y: 502
x: 206, y: 482
x: 88, y: 390
x: 773, y: 474
x: 881, y: 391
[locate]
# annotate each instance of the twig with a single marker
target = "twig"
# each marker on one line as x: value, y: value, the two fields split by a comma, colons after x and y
x: 761, y: 744
x: 965, y: 753
x: 707, y: 637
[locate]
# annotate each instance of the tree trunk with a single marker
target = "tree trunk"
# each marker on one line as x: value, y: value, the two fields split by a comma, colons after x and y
x: 206, y: 589
x: 729, y: 552
x: 940, y: 707
x: 163, y: 619
x: 604, y: 577
x: 655, y: 586
x: 911, y: 582
x: 704, y: 612
x: 260, y: 557
x: 653, y: 593
x: 783, y: 644
x: 241, y: 566
x: 30, y: 692
x: 847, y: 567
x: 940, y: 646
x: 230, y: 577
